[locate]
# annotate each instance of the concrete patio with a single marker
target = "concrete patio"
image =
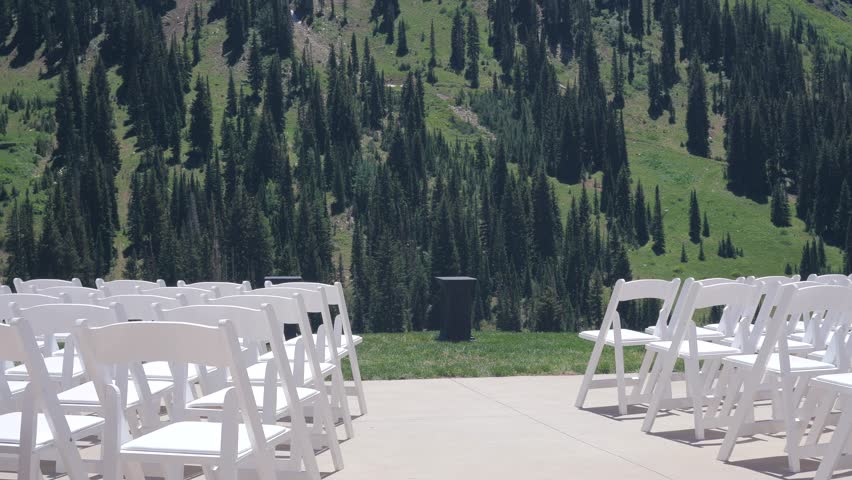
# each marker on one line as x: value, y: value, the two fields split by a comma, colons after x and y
x: 527, y: 428
x: 512, y: 428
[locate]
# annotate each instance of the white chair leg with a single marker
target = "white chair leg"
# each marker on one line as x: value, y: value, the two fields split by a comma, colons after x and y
x: 590, y: 374
x: 356, y: 377
x: 323, y: 411
x: 836, y: 447
x: 619, y: 380
x: 173, y: 471
x: 339, y: 394
x: 695, y: 387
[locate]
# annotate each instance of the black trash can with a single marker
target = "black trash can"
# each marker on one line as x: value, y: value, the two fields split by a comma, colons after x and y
x: 455, y: 307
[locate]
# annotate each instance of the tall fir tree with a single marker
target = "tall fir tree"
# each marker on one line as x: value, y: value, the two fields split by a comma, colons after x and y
x: 659, y: 233
x: 697, y: 119
x: 401, y: 40
x: 694, y: 218
x: 472, y: 72
x: 457, y: 47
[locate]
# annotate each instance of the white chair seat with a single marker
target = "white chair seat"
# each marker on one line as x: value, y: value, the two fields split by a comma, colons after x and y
x: 701, y: 333
x: 705, y: 349
x: 628, y: 337
x: 216, y: 400
x: 54, y: 369
x: 343, y: 343
x: 793, y: 346
x: 161, y: 371
x: 195, y: 439
x: 818, y: 355
x: 10, y: 428
x: 257, y: 373
x: 835, y: 380
x: 86, y: 395
x: 16, y: 387
x: 797, y: 364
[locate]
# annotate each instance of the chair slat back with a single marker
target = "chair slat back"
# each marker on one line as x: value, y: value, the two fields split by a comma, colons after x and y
x: 28, y: 286
x: 221, y: 289
x: 23, y: 300
x: 75, y: 294
x: 830, y: 279
x: 50, y: 319
x: 126, y: 287
x: 315, y: 301
x: 141, y: 307
x: 194, y: 296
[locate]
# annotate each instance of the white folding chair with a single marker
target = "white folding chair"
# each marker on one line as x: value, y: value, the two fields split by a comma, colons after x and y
x: 701, y: 358
x: 81, y: 295
x: 34, y: 428
x: 63, y: 367
x: 256, y: 328
x: 28, y: 286
x: 126, y: 287
x: 318, y: 298
x: 611, y: 334
x: 220, y: 289
x: 708, y: 332
x: 4, y: 290
x: 193, y: 296
x: 23, y: 300
x: 291, y: 310
x: 239, y: 440
x: 774, y: 370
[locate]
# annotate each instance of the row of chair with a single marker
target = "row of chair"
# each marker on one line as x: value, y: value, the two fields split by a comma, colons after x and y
x: 779, y: 340
x: 215, y: 357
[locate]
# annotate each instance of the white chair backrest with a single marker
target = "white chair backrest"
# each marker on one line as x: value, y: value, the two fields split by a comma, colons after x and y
x: 830, y: 279
x: 126, y: 287
x: 781, y: 279
x: 141, y: 307
x: 681, y: 299
x: 115, y: 350
x: 315, y: 301
x: 4, y: 290
x: 28, y: 286
x: 622, y: 291
x: 194, y: 296
x: 23, y: 300
x: 251, y: 325
x: 739, y: 299
x: 220, y: 289
x: 49, y: 319
x: 74, y: 294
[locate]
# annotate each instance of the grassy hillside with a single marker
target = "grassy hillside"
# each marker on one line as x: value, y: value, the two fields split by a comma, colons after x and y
x: 656, y: 154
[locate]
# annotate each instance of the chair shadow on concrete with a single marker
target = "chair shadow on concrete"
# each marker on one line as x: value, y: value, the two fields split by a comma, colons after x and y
x: 634, y: 412
x: 712, y: 438
x: 776, y: 466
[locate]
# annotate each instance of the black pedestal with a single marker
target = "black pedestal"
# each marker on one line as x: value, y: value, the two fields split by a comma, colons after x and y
x: 290, y: 330
x: 277, y: 279
x: 455, y: 307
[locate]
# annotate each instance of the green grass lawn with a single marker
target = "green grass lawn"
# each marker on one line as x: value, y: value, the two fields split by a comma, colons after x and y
x: 393, y: 356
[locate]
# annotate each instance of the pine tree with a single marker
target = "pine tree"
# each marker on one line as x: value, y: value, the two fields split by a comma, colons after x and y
x: 402, y: 41
x: 196, y: 35
x: 668, y: 65
x: 630, y: 67
x: 457, y: 56
x: 231, y: 107
x: 255, y: 68
x: 201, y: 122
x: 683, y: 257
x: 659, y: 233
x: 694, y: 218
x: 472, y: 72
x: 433, y: 62
x: 617, y: 81
x: 780, y: 208
x: 655, y: 90
x: 705, y: 228
x: 697, y: 120
x: 637, y: 24
x: 274, y: 94
x: 701, y: 256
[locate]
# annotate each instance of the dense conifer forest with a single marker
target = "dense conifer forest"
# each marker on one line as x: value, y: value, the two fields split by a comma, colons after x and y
x: 530, y: 144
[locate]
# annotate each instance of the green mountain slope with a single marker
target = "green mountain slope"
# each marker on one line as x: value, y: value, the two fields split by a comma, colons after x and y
x: 656, y: 152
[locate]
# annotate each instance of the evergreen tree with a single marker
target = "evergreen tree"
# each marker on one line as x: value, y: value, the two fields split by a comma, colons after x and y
x: 637, y: 24
x: 231, y: 99
x: 655, y: 90
x: 705, y: 228
x: 694, y: 218
x: 274, y: 94
x: 201, y: 122
x: 697, y: 120
x: 472, y: 72
x: 668, y: 65
x: 402, y: 41
x: 433, y: 62
x: 630, y: 67
x: 617, y: 81
x: 457, y: 55
x: 683, y: 257
x: 701, y: 256
x: 659, y: 234
x: 780, y: 208
x: 640, y: 220
x: 255, y: 68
